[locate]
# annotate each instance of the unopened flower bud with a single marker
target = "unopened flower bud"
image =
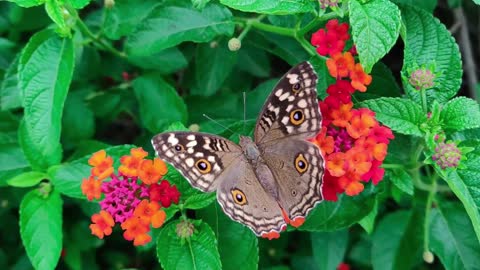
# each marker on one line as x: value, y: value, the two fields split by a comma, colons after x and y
x: 447, y: 155
x: 109, y: 3
x: 185, y: 229
x: 328, y: 3
x: 234, y: 44
x: 422, y: 79
x: 428, y: 256
x: 194, y: 128
x: 213, y: 44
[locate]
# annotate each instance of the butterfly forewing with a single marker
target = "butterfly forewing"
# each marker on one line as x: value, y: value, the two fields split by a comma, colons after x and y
x: 291, y: 110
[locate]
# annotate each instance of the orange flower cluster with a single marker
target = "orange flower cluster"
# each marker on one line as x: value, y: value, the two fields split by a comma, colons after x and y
x: 353, y: 142
x: 126, y: 197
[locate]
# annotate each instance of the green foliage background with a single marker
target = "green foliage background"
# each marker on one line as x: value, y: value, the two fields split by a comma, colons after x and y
x: 80, y: 75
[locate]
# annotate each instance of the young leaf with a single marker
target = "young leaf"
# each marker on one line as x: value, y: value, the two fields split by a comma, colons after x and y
x: 451, y: 237
x: 67, y: 177
x: 278, y: 7
x: 159, y: 103
x: 375, y: 29
x: 40, y: 227
x: 27, y: 179
x: 402, y: 180
x: 220, y: 62
x: 45, y: 71
x: 156, y: 33
x: 329, y: 248
x: 429, y: 43
x: 461, y: 113
x: 198, y: 252
x: 56, y: 12
x: 237, y: 244
x: 401, y: 115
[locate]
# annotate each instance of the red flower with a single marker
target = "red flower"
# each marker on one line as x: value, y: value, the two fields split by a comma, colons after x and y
x: 164, y: 193
x: 341, y: 30
x: 339, y: 65
x: 330, y: 187
x: 341, y: 91
x: 327, y: 43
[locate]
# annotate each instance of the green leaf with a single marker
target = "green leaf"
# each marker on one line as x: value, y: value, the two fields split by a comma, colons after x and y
x: 27, y: 3
x: 78, y: 120
x: 253, y: 61
x: 165, y: 62
x: 402, y: 180
x: 451, y: 237
x: 401, y: 115
x: 27, y: 179
x: 375, y: 29
x: 78, y: 4
x: 237, y: 244
x: 45, y: 71
x: 11, y: 157
x: 198, y: 252
x: 220, y: 62
x: 284, y: 47
x: 386, y: 239
x: 169, y: 25
x: 464, y: 184
x: 278, y: 7
x: 256, y: 98
x: 428, y: 5
x: 67, y: 177
x: 368, y: 222
x: 10, y: 94
x: 329, y: 248
x: 460, y: 113
x: 56, y: 11
x: 324, y: 78
x: 383, y: 84
x: 40, y: 227
x: 122, y: 19
x: 429, y: 43
x: 159, y: 103
x: 333, y: 216
x: 198, y: 201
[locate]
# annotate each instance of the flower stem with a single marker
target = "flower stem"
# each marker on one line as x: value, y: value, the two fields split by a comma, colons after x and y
x: 428, y: 208
x: 423, y: 94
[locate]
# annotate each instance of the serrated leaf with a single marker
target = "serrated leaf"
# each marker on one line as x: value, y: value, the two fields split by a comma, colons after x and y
x: 464, y: 183
x: 160, y: 104
x: 199, y: 252
x: 375, y: 29
x: 40, y: 227
x: 401, y: 115
x: 27, y: 179
x: 220, y: 62
x: 55, y: 10
x: 386, y: 239
x: 460, y: 113
x: 428, y: 42
x: 125, y: 16
x: 428, y: 5
x: 169, y: 25
x: 237, y: 244
x: 278, y: 7
x: 451, y: 237
x: 198, y: 201
x: 329, y: 248
x: 402, y: 180
x: 45, y: 72
x: 10, y: 94
x: 67, y: 177
x: 332, y: 216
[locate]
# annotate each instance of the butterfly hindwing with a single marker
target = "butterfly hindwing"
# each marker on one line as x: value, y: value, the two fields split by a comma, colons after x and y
x: 292, y: 107
x: 200, y: 157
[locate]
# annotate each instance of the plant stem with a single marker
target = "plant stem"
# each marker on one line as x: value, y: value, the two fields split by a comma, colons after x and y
x: 428, y: 208
x: 423, y: 94
x: 284, y: 31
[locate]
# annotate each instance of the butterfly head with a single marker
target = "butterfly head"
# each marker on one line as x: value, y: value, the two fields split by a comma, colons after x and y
x: 249, y: 148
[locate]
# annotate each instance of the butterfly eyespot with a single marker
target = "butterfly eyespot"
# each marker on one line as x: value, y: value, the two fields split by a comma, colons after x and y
x: 297, y: 117
x: 294, y: 192
x: 179, y: 148
x: 296, y: 87
x: 301, y: 164
x: 239, y: 197
x: 203, y: 166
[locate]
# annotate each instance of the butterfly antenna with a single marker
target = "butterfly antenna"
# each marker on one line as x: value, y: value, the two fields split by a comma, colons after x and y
x: 218, y: 123
x: 244, y: 111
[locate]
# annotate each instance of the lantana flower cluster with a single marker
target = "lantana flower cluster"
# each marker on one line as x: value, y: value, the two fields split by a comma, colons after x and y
x: 353, y: 142
x: 133, y: 197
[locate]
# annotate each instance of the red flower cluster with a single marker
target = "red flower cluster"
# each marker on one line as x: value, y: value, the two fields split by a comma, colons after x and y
x: 353, y: 142
x: 331, y: 40
x: 132, y: 197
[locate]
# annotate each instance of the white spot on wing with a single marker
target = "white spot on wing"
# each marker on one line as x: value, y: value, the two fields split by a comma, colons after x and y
x: 191, y: 137
x: 284, y: 96
x: 172, y: 139
x: 189, y: 162
x: 302, y: 104
x: 192, y: 143
x: 292, y: 78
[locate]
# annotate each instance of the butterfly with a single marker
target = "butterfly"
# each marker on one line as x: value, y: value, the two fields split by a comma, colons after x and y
x: 270, y: 181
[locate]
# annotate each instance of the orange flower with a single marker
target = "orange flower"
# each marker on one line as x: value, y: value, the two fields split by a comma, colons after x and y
x: 350, y: 182
x: 102, y: 164
x: 358, y: 161
x: 359, y: 78
x: 271, y: 235
x: 336, y: 164
x: 151, y: 171
x: 91, y: 188
x: 340, y: 64
x: 380, y: 151
x: 131, y: 163
x: 158, y: 218
x: 136, y: 230
x: 325, y: 143
x: 102, y: 224
x: 361, y: 123
x: 342, y: 115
